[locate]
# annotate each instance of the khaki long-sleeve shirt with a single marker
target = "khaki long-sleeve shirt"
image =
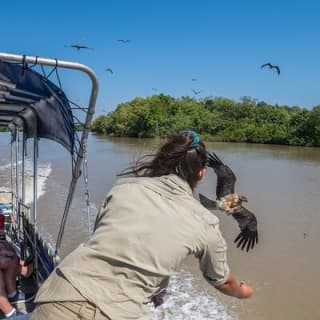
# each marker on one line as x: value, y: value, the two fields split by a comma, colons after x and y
x: 145, y: 228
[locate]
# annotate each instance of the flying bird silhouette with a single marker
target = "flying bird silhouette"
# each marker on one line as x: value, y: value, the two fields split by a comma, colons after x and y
x: 194, y: 79
x: 78, y: 46
x: 123, y: 40
x: 271, y: 66
x: 231, y: 203
x: 109, y: 70
x: 195, y: 91
x: 154, y: 89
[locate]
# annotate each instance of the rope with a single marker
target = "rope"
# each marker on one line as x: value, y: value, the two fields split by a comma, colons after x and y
x: 36, y: 62
x: 24, y: 64
x: 57, y: 75
x: 43, y: 71
x: 53, y: 69
x: 86, y: 193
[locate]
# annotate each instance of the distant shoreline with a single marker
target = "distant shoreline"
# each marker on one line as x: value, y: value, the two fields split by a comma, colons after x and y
x: 215, y: 119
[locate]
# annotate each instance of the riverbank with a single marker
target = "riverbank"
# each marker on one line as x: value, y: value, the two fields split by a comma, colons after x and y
x: 215, y: 119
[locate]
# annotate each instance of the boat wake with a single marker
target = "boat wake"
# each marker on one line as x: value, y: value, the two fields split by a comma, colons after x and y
x: 184, y: 302
x: 44, y: 171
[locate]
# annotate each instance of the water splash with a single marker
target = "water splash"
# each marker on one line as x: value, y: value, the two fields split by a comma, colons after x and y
x: 185, y: 302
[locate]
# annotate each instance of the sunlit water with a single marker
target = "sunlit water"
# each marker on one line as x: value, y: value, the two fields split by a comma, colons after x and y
x: 282, y: 184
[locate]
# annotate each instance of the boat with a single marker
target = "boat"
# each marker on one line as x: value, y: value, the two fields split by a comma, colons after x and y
x: 34, y: 106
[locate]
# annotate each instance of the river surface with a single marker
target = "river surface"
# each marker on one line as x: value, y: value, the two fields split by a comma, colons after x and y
x: 282, y: 185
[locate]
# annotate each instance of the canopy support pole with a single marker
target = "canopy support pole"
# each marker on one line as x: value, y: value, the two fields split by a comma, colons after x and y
x: 76, y: 172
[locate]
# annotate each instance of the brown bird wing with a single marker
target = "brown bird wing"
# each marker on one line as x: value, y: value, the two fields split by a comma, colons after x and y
x: 249, y: 228
x: 207, y: 203
x: 226, y: 179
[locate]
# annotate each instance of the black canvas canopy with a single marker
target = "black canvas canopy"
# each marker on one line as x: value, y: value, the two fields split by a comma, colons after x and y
x: 32, y: 104
x: 31, y: 101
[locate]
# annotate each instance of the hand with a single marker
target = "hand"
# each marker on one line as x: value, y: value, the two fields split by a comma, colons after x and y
x: 159, y: 298
x: 235, y: 289
x: 245, y: 290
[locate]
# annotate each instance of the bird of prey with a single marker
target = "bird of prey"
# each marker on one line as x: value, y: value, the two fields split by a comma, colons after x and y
x: 78, y: 46
x: 231, y: 203
x: 195, y: 91
x: 123, y: 40
x: 194, y: 79
x: 109, y: 70
x: 154, y: 89
x: 271, y: 66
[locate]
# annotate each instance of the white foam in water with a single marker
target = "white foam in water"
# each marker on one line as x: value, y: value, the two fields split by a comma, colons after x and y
x: 184, y: 302
x: 44, y: 171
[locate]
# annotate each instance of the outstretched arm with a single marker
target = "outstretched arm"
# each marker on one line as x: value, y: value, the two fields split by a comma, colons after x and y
x: 232, y: 288
x: 214, y: 267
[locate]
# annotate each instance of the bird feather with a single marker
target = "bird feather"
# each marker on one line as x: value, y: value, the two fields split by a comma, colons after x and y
x: 225, y: 188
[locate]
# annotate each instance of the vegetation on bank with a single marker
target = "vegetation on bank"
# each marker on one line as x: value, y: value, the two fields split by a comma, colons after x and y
x: 216, y: 119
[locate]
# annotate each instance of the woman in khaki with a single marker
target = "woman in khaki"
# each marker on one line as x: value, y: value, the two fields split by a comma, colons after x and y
x: 146, y: 226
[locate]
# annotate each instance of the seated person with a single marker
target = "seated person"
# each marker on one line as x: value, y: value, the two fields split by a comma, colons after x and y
x: 10, y: 268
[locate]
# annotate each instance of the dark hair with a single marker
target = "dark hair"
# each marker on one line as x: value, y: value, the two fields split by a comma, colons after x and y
x: 179, y: 155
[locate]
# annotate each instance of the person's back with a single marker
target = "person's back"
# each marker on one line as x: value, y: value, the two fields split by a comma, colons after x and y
x: 144, y: 230
x: 146, y: 226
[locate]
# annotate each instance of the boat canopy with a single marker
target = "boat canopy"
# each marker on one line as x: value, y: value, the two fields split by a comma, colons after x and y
x: 34, y: 106
x: 31, y: 101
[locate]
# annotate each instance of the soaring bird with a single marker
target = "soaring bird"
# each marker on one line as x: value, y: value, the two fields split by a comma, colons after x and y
x: 123, y: 40
x: 271, y: 66
x: 109, y: 70
x: 195, y: 91
x: 231, y: 203
x: 78, y: 46
x: 194, y: 79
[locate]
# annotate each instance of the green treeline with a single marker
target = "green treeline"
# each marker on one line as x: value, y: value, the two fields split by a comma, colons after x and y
x: 216, y: 119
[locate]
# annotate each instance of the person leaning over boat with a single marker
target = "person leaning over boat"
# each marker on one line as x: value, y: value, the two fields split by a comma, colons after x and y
x: 146, y: 226
x: 10, y: 268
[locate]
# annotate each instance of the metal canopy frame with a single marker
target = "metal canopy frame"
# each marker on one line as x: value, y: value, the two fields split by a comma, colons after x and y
x: 5, y: 119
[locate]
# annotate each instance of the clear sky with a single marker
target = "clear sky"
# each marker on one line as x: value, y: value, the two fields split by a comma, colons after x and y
x: 221, y: 44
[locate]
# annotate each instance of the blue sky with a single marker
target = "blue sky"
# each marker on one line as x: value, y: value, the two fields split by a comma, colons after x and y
x: 222, y: 44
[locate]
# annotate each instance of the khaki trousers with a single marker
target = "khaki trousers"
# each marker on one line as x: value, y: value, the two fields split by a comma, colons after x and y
x: 67, y: 310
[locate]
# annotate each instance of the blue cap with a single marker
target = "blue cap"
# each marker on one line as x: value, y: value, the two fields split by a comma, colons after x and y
x: 194, y: 135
